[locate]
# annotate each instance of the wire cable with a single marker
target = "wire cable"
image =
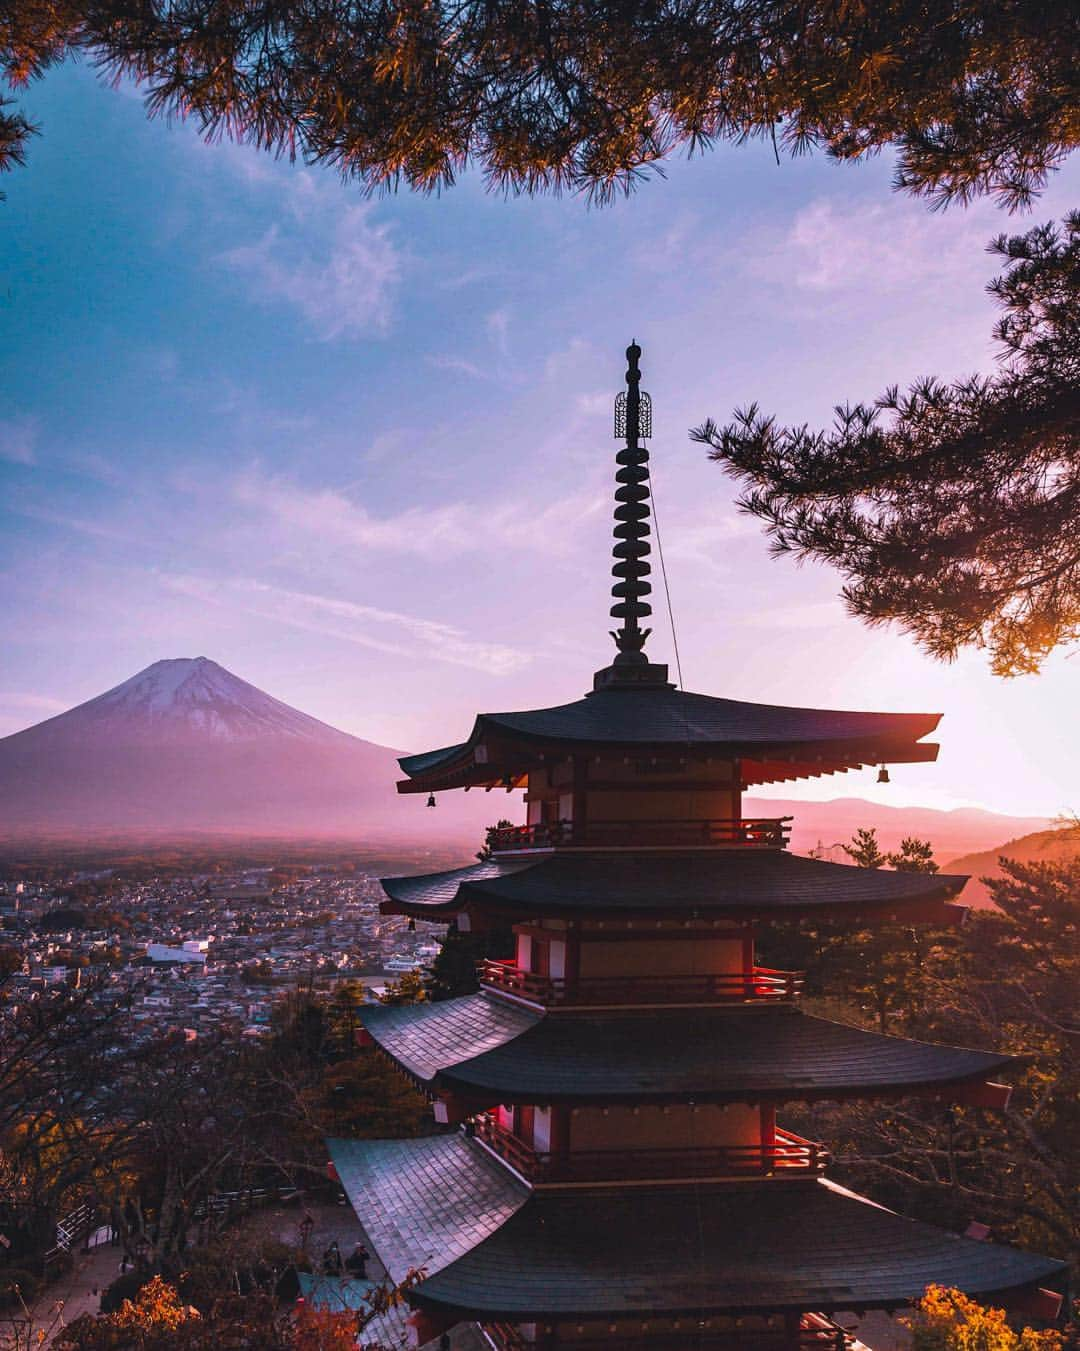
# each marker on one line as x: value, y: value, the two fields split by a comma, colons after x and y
x: 663, y: 573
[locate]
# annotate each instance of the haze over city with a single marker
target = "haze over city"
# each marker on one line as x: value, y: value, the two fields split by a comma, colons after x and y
x: 361, y: 456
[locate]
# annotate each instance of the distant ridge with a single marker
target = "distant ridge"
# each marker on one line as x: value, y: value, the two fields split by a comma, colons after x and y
x: 963, y: 830
x: 187, y: 746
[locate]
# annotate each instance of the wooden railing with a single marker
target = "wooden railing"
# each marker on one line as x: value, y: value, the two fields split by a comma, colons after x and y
x: 761, y: 983
x: 770, y: 832
x: 816, y: 1333
x: 788, y: 1156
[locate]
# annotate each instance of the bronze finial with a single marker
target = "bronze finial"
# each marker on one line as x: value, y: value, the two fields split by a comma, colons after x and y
x: 633, y: 421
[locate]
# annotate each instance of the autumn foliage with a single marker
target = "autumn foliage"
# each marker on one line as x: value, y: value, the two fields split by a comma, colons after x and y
x: 946, y: 1320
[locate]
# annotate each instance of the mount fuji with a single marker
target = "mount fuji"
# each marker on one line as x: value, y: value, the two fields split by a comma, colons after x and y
x: 185, y: 746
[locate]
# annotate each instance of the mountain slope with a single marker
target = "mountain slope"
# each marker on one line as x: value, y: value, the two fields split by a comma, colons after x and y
x: 186, y: 746
x: 1045, y: 846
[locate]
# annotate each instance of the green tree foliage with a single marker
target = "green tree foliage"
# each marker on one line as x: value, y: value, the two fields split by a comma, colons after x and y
x: 1007, y: 983
x: 487, y: 851
x: 913, y: 856
x: 977, y: 97
x: 864, y: 850
x: 951, y: 510
x: 454, y: 971
x: 874, y: 968
x: 409, y: 988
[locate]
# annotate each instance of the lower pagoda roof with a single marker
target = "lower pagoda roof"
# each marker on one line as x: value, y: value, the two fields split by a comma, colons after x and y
x: 493, y: 1251
x: 737, y: 882
x: 484, y: 1048
x: 424, y: 1203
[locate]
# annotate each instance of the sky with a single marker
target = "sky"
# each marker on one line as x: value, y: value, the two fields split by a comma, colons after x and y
x: 359, y: 450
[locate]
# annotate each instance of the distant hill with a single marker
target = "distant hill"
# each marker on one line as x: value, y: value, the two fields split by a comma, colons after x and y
x: 964, y: 830
x: 186, y: 746
x: 1044, y: 846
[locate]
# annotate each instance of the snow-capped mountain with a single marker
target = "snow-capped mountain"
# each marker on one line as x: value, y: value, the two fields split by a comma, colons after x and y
x: 187, y: 746
x: 189, y: 697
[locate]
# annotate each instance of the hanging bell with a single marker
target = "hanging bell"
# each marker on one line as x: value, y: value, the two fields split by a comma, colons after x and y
x: 431, y: 799
x: 883, y: 775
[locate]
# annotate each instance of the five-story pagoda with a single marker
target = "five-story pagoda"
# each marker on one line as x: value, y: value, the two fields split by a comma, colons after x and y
x: 613, y: 1172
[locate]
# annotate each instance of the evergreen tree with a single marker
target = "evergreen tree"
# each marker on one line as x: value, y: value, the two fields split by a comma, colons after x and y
x: 407, y: 989
x: 864, y: 849
x: 453, y: 972
x: 1007, y: 982
x: 914, y: 856
x: 977, y: 96
x: 953, y: 510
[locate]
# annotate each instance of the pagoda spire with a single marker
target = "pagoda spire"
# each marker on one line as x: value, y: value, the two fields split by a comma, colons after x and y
x: 631, y: 569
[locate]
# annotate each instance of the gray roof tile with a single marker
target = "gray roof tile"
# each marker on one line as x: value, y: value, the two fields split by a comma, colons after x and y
x: 484, y: 1046
x: 728, y: 881
x: 424, y: 1202
x: 755, y: 1248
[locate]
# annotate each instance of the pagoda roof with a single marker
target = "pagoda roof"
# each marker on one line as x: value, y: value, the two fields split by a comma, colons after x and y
x: 739, y: 882
x: 494, y: 1251
x: 485, y: 1048
x: 426, y: 1202
x: 661, y: 718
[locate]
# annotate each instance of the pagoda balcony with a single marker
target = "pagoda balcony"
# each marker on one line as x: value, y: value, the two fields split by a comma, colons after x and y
x: 789, y: 1156
x: 761, y: 985
x: 815, y: 1333
x: 764, y: 832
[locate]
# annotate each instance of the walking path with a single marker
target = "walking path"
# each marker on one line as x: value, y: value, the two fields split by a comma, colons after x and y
x: 78, y: 1290
x: 73, y: 1293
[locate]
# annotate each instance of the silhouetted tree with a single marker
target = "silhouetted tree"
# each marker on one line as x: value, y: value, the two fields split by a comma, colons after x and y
x: 1008, y: 984
x: 978, y: 96
x: 453, y: 972
x: 864, y: 850
x: 913, y: 856
x: 953, y: 510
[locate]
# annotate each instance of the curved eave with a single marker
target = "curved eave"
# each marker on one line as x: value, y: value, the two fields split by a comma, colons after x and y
x: 482, y: 1049
x: 425, y: 1202
x: 749, y: 1249
x: 774, y: 741
x: 577, y: 884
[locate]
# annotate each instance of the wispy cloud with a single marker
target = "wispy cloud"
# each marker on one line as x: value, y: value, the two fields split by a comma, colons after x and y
x: 451, y: 363
x: 439, y: 532
x: 335, y: 263
x: 498, y: 327
x: 95, y: 529
x: 386, y: 631
x: 18, y: 439
x: 832, y: 248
